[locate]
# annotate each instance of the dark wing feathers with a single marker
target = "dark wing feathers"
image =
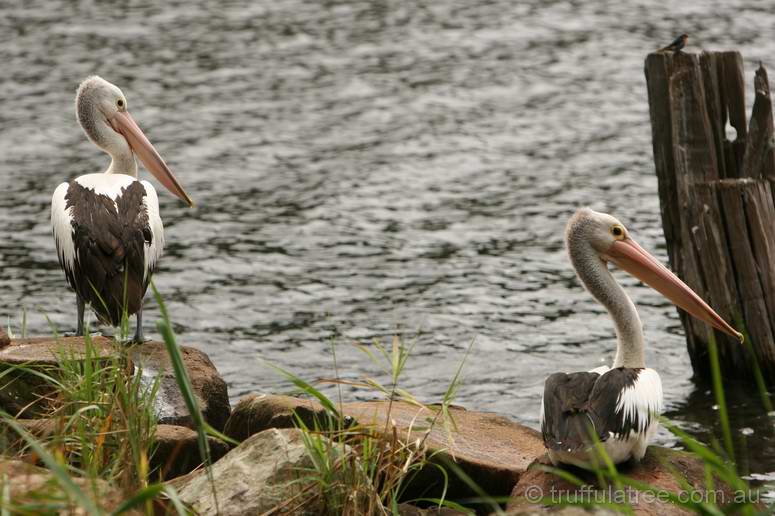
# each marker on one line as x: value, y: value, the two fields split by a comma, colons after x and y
x: 565, y: 423
x: 110, y: 239
x: 580, y: 405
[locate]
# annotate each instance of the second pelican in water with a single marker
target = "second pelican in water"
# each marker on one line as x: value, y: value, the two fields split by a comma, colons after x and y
x: 619, y: 407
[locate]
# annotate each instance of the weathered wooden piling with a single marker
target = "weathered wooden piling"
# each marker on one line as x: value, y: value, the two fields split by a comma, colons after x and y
x: 716, y: 197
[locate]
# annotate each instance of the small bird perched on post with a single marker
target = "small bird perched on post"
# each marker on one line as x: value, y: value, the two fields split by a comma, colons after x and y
x: 677, y: 44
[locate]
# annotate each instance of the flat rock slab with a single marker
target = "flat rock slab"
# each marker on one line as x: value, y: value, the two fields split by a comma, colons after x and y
x: 493, y: 450
x: 150, y: 358
x: 661, y: 468
x: 47, y: 351
x: 21, y: 395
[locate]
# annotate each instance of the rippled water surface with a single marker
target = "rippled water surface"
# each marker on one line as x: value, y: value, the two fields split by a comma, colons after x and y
x: 368, y: 168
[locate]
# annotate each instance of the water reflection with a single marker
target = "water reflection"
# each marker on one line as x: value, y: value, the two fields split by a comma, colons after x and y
x: 753, y: 429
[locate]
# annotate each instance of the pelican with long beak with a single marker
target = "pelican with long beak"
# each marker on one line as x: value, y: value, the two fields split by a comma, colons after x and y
x: 107, y: 229
x: 619, y: 407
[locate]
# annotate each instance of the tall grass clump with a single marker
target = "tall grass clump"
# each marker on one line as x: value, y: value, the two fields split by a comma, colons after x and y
x: 367, y: 467
x: 94, y: 433
x: 94, y: 428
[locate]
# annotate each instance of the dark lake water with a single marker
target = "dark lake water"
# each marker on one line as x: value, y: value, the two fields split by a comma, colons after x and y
x: 363, y: 169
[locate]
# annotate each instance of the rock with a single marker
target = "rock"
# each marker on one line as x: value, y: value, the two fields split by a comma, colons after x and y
x: 209, y: 388
x: 21, y: 396
x: 44, y: 351
x: 659, y: 469
x: 491, y: 449
x: 36, y: 486
x: 26, y: 395
x: 256, y: 412
x: 4, y: 340
x: 262, y: 473
x: 177, y: 451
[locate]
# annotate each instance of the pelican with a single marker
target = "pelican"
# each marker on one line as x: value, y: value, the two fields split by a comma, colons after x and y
x: 619, y: 406
x: 107, y: 229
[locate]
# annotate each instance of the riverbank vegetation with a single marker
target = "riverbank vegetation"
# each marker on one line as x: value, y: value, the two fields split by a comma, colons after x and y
x: 90, y: 423
x: 91, y: 445
x: 365, y: 468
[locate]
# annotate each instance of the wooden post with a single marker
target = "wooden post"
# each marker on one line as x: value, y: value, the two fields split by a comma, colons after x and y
x: 716, y: 199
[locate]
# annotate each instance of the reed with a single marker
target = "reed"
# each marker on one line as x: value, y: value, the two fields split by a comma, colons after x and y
x: 364, y: 468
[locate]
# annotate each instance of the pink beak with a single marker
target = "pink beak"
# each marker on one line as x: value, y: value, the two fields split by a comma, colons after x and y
x: 629, y: 256
x: 123, y: 123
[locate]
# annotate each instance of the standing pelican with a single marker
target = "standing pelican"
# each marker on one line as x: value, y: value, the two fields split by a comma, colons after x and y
x: 108, y: 233
x: 619, y: 406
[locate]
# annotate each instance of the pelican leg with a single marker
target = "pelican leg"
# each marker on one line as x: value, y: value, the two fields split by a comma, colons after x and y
x: 139, y: 338
x: 81, y: 309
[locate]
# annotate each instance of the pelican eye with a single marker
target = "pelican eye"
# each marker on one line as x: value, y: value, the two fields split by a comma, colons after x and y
x: 617, y: 231
x: 120, y: 103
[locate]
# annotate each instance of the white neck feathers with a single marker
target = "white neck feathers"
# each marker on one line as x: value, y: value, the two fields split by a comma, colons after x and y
x: 98, y: 129
x: 597, y: 279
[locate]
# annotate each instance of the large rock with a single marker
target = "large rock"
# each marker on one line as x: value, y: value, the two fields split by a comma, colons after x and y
x: 491, y: 449
x: 263, y: 472
x: 44, y: 354
x: 177, y: 451
x: 254, y: 413
x: 209, y: 388
x: 661, y: 468
x: 34, y: 486
x: 27, y: 395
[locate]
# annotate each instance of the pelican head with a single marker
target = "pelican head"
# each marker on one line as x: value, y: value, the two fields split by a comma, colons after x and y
x: 594, y: 237
x: 101, y: 109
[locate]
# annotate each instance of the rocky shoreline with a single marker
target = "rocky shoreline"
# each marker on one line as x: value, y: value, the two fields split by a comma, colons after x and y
x: 504, y: 458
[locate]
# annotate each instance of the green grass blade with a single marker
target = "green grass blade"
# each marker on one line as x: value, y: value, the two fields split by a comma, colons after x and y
x: 186, y: 389
x: 5, y: 496
x: 307, y: 388
x: 172, y: 494
x: 718, y: 390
